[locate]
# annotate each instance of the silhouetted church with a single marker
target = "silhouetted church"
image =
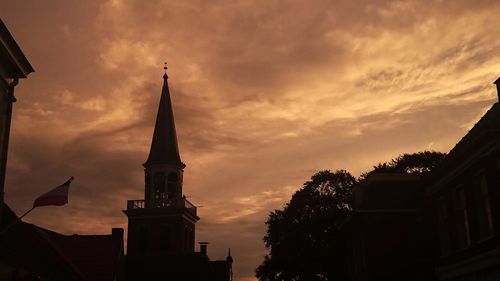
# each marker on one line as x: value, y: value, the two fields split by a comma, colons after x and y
x: 161, y: 227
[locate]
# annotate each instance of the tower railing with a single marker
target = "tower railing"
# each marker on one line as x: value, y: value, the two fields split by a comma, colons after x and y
x: 162, y: 203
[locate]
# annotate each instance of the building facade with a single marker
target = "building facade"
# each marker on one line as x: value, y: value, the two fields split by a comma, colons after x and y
x: 462, y: 204
x: 386, y: 235
x: 442, y: 226
x: 13, y: 66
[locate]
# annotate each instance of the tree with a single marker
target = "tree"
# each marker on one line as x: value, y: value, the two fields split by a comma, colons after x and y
x: 419, y: 162
x: 302, y: 238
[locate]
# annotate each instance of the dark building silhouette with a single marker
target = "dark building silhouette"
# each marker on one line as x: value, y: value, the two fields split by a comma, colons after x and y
x: 387, y: 236
x: 161, y: 231
x: 164, y: 221
x: 29, y: 252
x: 462, y: 199
x: 161, y: 227
x: 13, y: 66
x: 440, y: 226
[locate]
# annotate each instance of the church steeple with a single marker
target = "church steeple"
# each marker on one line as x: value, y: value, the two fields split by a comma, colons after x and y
x: 164, y: 168
x: 164, y: 221
x: 164, y: 149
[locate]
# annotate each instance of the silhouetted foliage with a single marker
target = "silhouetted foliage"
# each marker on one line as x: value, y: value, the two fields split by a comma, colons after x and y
x: 301, y: 237
x: 419, y: 162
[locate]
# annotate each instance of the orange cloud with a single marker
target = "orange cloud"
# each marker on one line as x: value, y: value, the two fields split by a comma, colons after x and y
x: 265, y: 94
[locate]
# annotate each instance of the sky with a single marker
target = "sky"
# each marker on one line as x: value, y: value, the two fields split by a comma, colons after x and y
x: 265, y: 94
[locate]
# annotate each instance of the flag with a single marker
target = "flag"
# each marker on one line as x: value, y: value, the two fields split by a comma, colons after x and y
x: 56, y: 197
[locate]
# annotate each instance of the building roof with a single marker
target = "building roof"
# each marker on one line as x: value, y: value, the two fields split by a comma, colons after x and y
x: 24, y: 247
x: 164, y: 148
x: 478, y: 142
x: 388, y: 191
x: 489, y: 122
x: 59, y: 257
x: 96, y: 256
x: 188, y: 267
x: 11, y: 56
x: 221, y: 270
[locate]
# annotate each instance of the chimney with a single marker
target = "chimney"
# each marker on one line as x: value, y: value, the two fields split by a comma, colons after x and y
x: 497, y: 82
x: 203, y: 248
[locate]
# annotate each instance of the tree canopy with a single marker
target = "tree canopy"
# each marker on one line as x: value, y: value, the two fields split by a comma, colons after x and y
x: 303, y: 238
x: 299, y: 237
x: 420, y: 162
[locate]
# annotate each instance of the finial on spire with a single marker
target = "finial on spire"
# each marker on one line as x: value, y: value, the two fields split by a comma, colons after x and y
x: 165, y: 76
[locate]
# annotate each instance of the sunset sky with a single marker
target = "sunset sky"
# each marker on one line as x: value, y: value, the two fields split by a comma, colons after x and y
x: 265, y: 93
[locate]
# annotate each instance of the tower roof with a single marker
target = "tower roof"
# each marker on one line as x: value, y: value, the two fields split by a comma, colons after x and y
x: 164, y: 148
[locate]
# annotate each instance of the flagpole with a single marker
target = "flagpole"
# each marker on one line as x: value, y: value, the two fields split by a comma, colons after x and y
x: 34, y: 206
x: 15, y: 222
x: 29, y: 211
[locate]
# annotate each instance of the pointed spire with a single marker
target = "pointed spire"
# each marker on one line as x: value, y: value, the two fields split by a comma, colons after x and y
x: 164, y: 148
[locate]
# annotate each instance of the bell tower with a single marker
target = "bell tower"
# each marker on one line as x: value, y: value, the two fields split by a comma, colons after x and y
x: 164, y: 221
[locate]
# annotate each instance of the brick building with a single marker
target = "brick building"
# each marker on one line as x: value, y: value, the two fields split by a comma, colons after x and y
x: 462, y: 196
x: 441, y: 226
x: 386, y: 233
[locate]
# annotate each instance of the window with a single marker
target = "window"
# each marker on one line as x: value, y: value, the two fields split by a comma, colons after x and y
x: 463, y: 231
x: 191, y: 240
x: 147, y: 181
x: 187, y: 238
x: 143, y: 238
x: 159, y: 186
x: 443, y: 226
x: 358, y: 254
x: 165, y: 238
x: 483, y: 205
x: 173, y: 180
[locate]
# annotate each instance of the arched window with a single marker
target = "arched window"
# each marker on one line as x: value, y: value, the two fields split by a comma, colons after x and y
x: 172, y: 184
x: 165, y: 238
x: 191, y: 240
x: 159, y: 185
x: 186, y: 238
x: 143, y: 238
x: 147, y: 181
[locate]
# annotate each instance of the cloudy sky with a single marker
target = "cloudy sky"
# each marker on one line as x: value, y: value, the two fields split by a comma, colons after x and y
x: 265, y: 94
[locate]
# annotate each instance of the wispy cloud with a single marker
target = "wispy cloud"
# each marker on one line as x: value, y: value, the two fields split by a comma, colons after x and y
x: 265, y: 94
